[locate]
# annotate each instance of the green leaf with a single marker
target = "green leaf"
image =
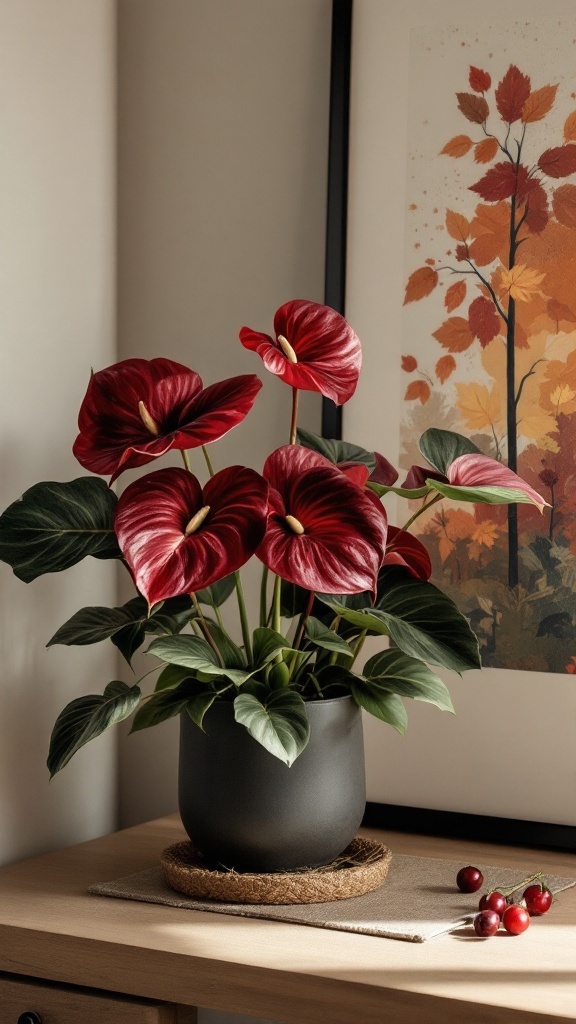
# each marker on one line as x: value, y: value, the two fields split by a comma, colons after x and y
x: 170, y: 677
x: 53, y: 526
x: 280, y: 724
x: 441, y: 447
x: 218, y: 593
x: 91, y: 625
x: 408, y: 677
x: 484, y: 495
x: 196, y: 654
x: 336, y: 451
x: 267, y: 643
x: 87, y: 717
x: 167, y: 703
x: 386, y: 706
x: 362, y: 618
x: 293, y: 599
x: 232, y: 656
x: 404, y: 492
x: 423, y: 622
x: 325, y: 638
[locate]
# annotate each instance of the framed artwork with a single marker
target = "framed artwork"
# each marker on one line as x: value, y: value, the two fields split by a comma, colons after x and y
x: 457, y: 266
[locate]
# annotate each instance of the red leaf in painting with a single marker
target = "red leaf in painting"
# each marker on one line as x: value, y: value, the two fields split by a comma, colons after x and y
x: 558, y: 311
x: 498, y: 183
x: 405, y: 550
x: 177, y: 537
x: 420, y: 284
x: 564, y: 205
x: 511, y: 94
x: 454, y: 334
x: 485, y: 151
x: 537, y: 216
x: 539, y: 103
x: 461, y: 253
x: 473, y: 107
x: 335, y: 537
x: 417, y: 391
x: 455, y: 295
x: 484, y: 320
x: 457, y: 147
x: 409, y: 363
x: 525, y: 184
x: 558, y: 162
x: 479, y: 80
x: 482, y: 471
x: 445, y: 367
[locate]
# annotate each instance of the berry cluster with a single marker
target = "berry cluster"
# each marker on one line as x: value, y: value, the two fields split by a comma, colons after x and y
x: 497, y: 907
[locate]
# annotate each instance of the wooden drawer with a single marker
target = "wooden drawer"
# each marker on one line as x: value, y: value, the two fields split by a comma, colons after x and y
x: 64, y: 1004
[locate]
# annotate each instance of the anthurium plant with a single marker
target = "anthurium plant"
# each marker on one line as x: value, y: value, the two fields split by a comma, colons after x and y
x: 331, y: 563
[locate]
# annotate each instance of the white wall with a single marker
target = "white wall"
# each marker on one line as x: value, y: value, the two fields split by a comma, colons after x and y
x: 57, y: 296
x: 223, y: 134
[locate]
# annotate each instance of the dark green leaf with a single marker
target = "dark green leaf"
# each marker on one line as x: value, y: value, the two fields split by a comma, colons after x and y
x: 441, y: 447
x: 196, y: 654
x: 386, y: 706
x: 53, y: 526
x: 87, y: 717
x: 267, y: 644
x: 293, y: 599
x: 170, y: 677
x: 90, y: 625
x: 325, y: 638
x: 280, y: 724
x: 408, y: 677
x: 232, y: 656
x: 336, y: 451
x: 167, y: 703
x: 218, y: 593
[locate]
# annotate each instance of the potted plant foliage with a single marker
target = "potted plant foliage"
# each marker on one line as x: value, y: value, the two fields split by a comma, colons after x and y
x: 271, y: 763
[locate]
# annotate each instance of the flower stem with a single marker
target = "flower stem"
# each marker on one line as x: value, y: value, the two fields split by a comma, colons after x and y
x: 207, y: 457
x: 263, y: 597
x: 204, y: 627
x: 303, y: 620
x: 423, y: 508
x: 186, y: 460
x: 276, y: 605
x: 294, y: 419
x: 243, y: 617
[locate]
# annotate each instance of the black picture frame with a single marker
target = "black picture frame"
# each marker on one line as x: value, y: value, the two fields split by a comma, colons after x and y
x: 425, y: 821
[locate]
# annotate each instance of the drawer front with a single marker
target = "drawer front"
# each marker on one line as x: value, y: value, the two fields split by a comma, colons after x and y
x: 62, y: 1004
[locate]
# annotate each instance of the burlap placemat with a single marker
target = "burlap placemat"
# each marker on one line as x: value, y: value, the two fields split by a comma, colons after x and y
x: 418, y: 900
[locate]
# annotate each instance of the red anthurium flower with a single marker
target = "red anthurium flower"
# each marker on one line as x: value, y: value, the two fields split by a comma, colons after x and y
x: 138, y: 409
x: 482, y: 471
x: 323, y: 532
x: 404, y: 549
x: 178, y: 537
x: 315, y: 349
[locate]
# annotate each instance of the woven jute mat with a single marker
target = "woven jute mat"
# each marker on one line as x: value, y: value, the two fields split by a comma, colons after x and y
x: 417, y: 901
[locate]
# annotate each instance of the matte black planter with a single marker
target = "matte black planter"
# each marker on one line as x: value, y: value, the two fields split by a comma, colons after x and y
x: 245, y: 809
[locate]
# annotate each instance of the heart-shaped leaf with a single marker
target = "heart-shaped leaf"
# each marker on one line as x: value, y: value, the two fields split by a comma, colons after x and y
x: 280, y: 724
x: 196, y: 654
x: 87, y: 717
x: 442, y: 447
x: 267, y: 643
x: 190, y: 694
x: 408, y: 677
x: 53, y: 526
x: 336, y: 452
x: 218, y: 593
x: 381, y: 703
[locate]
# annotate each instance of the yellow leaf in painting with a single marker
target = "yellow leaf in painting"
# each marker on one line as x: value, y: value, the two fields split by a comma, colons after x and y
x: 537, y: 424
x: 520, y: 282
x: 559, y: 375
x: 479, y: 406
x: 486, y: 533
x: 562, y: 395
x: 457, y: 226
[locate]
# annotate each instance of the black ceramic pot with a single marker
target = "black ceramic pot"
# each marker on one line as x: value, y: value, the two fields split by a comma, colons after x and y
x: 245, y: 809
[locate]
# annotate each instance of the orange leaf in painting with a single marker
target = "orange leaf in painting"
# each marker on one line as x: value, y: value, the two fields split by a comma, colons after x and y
x: 570, y: 127
x: 454, y: 334
x: 420, y: 283
x: 511, y: 94
x: 479, y: 80
x: 558, y: 162
x: 409, y: 363
x: 418, y: 390
x: 564, y: 205
x: 558, y: 311
x: 455, y: 295
x: 458, y: 146
x: 484, y: 320
x: 479, y: 406
x: 485, y: 151
x: 537, y: 216
x: 473, y: 107
x: 457, y: 226
x: 500, y: 182
x: 445, y: 367
x: 539, y: 103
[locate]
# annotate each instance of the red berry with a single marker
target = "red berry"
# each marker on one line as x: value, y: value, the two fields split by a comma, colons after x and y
x: 538, y: 899
x: 515, y: 919
x: 493, y: 901
x: 469, y: 879
x: 486, y: 923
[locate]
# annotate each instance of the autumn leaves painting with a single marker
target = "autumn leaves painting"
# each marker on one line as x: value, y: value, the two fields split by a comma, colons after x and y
x: 495, y: 358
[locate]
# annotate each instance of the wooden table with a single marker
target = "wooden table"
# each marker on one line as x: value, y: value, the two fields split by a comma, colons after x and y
x: 176, y: 960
